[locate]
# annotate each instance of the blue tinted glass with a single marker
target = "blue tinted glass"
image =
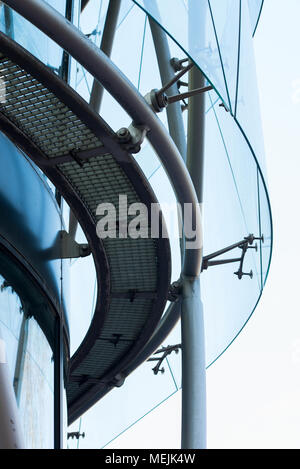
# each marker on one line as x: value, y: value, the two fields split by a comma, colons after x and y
x: 122, y: 407
x: 30, y: 365
x: 33, y: 203
x: 215, y: 49
x: 36, y: 395
x: 230, y: 214
x: 226, y: 20
x: 248, y: 109
x: 266, y: 228
x: 28, y: 36
x: 10, y: 322
x: 255, y: 7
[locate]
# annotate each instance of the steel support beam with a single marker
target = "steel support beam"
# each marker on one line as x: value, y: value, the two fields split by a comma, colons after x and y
x: 193, y: 366
x: 106, y: 47
x: 192, y: 321
x: 174, y: 112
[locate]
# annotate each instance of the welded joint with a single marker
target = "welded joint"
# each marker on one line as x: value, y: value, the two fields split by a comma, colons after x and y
x: 131, y: 138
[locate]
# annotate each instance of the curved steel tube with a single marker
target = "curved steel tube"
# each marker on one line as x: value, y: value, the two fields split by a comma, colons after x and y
x: 52, y: 23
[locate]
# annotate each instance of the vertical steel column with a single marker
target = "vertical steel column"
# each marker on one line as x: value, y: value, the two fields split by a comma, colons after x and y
x: 11, y: 436
x: 192, y: 322
x: 106, y: 47
x: 58, y: 384
x: 193, y: 366
x: 174, y: 112
x: 65, y: 65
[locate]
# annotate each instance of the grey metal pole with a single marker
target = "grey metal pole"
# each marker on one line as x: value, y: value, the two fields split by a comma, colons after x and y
x: 192, y: 321
x: 58, y: 384
x: 193, y: 366
x: 11, y: 436
x: 73, y: 224
x: 174, y: 112
x: 106, y: 47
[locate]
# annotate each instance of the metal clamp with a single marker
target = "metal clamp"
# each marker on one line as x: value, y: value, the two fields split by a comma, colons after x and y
x: 174, y: 291
x: 165, y: 352
x: 132, y: 137
x: 245, y: 244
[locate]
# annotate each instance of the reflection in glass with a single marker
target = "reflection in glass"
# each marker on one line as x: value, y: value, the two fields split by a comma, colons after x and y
x: 30, y: 363
x: 28, y: 36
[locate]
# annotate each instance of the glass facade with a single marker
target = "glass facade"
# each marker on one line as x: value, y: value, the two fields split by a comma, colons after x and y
x: 33, y: 277
x: 30, y: 361
x: 217, y: 37
x: 234, y: 164
x: 23, y: 32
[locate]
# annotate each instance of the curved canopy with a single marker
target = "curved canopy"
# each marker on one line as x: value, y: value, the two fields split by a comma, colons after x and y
x: 78, y: 151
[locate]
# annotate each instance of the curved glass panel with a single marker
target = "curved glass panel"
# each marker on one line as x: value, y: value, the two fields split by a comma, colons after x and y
x: 28, y: 36
x: 31, y: 368
x: 255, y: 8
x: 265, y: 228
x: 193, y: 28
x: 226, y: 18
x: 230, y: 169
x: 32, y: 208
x: 248, y: 109
x: 222, y: 49
x: 233, y: 206
x: 230, y: 214
x: 122, y: 407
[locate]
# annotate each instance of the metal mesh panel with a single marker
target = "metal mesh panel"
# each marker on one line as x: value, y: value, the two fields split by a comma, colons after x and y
x: 132, y: 261
x: 57, y: 131
x: 51, y: 125
x: 99, y: 180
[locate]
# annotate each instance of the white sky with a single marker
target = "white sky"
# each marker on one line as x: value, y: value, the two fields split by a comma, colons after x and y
x: 254, y: 388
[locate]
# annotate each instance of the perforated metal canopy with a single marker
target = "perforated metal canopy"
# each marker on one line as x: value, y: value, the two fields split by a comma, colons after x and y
x: 83, y: 157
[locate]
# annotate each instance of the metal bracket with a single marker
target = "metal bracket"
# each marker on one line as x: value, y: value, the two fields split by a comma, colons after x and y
x: 132, y: 137
x: 225, y: 107
x: 69, y: 248
x: 174, y: 291
x: 158, y: 99
x: 65, y: 247
x: 177, y: 64
x: 165, y: 352
x: 75, y: 435
x: 245, y: 244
